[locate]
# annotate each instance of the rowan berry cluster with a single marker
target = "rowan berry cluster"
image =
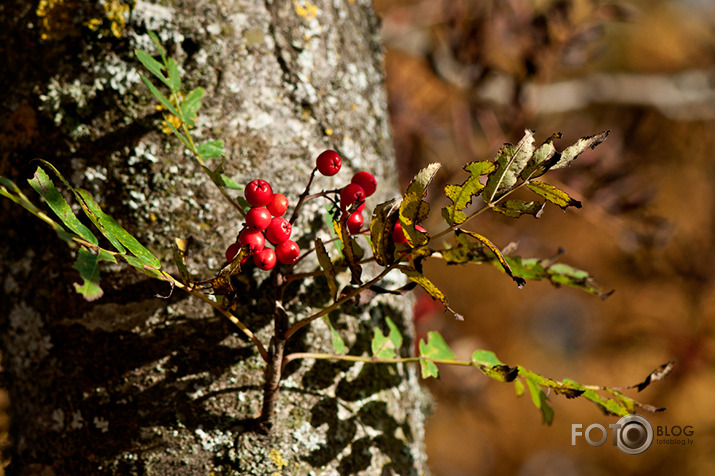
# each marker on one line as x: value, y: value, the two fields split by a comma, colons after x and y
x: 265, y: 222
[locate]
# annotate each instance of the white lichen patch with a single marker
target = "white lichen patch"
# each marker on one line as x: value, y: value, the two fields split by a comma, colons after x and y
x: 26, y: 342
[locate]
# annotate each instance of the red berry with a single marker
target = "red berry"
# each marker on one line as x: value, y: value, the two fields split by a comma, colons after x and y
x: 258, y: 193
x: 288, y: 252
x: 350, y: 194
x: 355, y: 223
x: 328, y: 163
x: 232, y: 251
x: 398, y: 235
x: 265, y: 259
x: 279, y: 230
x: 367, y: 181
x: 278, y: 205
x: 252, y: 238
x: 258, y: 218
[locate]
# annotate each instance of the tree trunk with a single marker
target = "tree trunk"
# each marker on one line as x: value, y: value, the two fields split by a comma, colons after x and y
x: 133, y: 383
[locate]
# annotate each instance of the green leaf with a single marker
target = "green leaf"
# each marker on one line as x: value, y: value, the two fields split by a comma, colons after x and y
x: 461, y: 195
x: 230, y: 183
x: 428, y: 286
x: 191, y: 104
x: 492, y: 367
x: 211, y: 149
x: 157, y: 43
x: 155, y: 67
x: 465, y: 251
x: 572, y: 152
x: 184, y: 140
x: 158, y: 94
x: 44, y: 186
x: 518, y: 387
x: 116, y: 234
x: 328, y: 268
x: 9, y: 189
x: 87, y: 264
x: 511, y: 160
x: 174, y: 75
x: 554, y: 195
x: 386, y: 346
x: 413, y: 208
x: 383, y: 222
x: 540, y: 400
x: 542, y: 160
x: 335, y: 339
x: 485, y: 241
x: 557, y: 273
x: 517, y: 208
x: 434, y: 348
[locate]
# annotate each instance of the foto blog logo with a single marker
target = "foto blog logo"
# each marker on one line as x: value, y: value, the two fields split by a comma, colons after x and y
x: 632, y: 434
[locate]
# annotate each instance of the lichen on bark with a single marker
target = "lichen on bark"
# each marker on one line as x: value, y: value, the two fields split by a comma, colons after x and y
x: 135, y: 384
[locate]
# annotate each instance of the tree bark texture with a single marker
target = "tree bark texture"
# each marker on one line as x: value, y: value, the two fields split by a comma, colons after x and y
x: 136, y: 384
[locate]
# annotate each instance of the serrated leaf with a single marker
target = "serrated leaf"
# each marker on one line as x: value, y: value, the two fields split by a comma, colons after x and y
x: 428, y: 286
x: 510, y: 160
x: 492, y: 367
x: 557, y: 273
x: 87, y: 264
x: 554, y: 195
x: 327, y: 265
x: 174, y: 76
x: 570, y: 153
x: 462, y: 195
x: 485, y: 241
x: 160, y: 96
x: 211, y: 149
x: 413, y: 208
x: 434, y: 348
x: 386, y: 346
x: 542, y: 160
x: 335, y: 339
x: 384, y: 217
x: 464, y: 251
x: 155, y: 67
x: 517, y: 208
x: 42, y: 184
x: 191, y: 104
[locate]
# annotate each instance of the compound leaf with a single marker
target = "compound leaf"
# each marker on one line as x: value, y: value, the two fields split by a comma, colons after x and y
x: 542, y: 160
x: 500, y: 258
x: 413, y: 208
x: 461, y: 195
x: 428, y: 286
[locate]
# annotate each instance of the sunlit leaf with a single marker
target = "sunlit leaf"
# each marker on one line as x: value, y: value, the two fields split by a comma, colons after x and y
x: 211, y: 149
x: 335, y: 339
x: 488, y: 363
x: 497, y: 253
x: 554, y: 195
x: 413, y: 208
x: 386, y: 346
x: 44, y: 186
x: 540, y: 400
x: 160, y: 96
x: 348, y: 247
x: 434, y: 348
x: 570, y: 153
x: 174, y: 76
x: 462, y: 195
x: 428, y: 286
x: 542, y: 160
x: 190, y: 106
x: 510, y: 160
x: 87, y: 264
x: 155, y: 67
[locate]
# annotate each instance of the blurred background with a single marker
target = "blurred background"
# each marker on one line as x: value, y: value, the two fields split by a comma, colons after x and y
x: 464, y: 76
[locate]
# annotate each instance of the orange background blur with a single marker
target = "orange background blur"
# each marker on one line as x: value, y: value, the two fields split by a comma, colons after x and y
x: 466, y: 76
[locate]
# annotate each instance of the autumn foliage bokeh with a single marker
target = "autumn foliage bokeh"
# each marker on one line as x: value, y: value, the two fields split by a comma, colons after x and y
x: 465, y: 76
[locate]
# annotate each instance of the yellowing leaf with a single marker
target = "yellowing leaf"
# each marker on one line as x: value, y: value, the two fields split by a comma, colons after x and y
x: 328, y: 268
x: 570, y: 153
x: 413, y: 208
x: 383, y: 222
x: 461, y: 195
x: 485, y: 241
x: 428, y: 286
x: 511, y: 160
x: 554, y: 195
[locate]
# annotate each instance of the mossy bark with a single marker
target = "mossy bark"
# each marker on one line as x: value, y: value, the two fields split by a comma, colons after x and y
x: 133, y: 383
